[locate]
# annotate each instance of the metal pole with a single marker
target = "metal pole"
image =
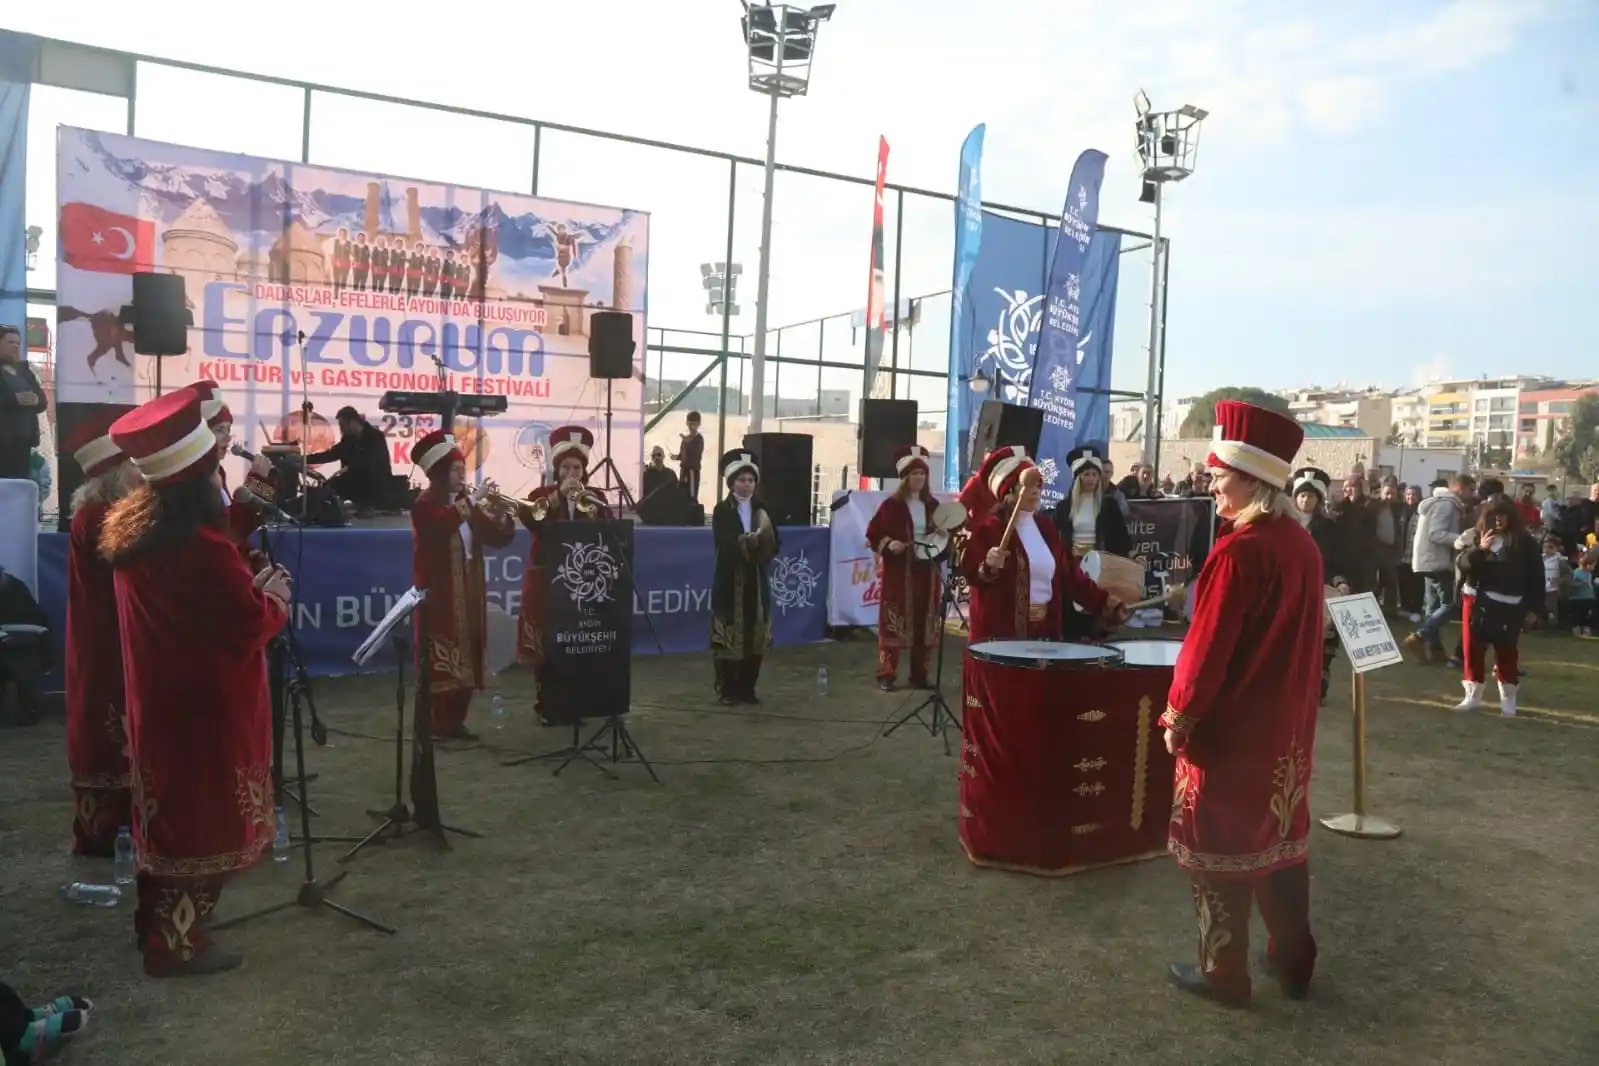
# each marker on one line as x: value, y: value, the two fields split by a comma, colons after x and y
x: 763, y: 281
x: 1358, y: 823
x: 1160, y: 377
x: 305, y: 129
x: 1151, y: 423
x: 727, y: 330
x: 899, y: 246
x: 538, y: 147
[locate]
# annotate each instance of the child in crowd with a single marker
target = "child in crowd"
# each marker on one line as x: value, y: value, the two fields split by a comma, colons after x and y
x: 1584, y: 612
x: 1556, y: 581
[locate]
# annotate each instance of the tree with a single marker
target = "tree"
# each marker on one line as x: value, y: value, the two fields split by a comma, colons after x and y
x: 1202, y: 419
x: 1579, y: 438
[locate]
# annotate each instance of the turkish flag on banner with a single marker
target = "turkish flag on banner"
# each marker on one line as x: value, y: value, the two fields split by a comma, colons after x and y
x: 93, y: 238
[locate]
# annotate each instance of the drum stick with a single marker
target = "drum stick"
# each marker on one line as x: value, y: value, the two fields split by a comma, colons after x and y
x: 1030, y: 477
x: 1156, y: 601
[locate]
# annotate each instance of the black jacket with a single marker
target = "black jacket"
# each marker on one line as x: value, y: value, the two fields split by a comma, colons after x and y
x: 1516, y: 571
x: 1110, y: 528
x: 19, y: 425
x: 366, y: 455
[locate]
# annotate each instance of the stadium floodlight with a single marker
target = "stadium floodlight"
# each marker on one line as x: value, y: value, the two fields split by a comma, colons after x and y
x: 1168, y: 149
x: 781, y: 41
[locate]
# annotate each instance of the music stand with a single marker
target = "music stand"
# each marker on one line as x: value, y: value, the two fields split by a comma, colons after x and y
x: 401, y: 820
x: 944, y: 718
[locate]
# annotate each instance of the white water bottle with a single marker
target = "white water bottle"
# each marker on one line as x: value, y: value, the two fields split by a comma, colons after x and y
x: 821, y: 680
x: 497, y: 711
x: 281, y: 843
x: 123, y: 866
x: 87, y: 895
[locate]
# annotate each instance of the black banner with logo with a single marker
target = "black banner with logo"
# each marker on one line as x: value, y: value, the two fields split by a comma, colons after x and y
x: 1167, y: 536
x: 588, y: 599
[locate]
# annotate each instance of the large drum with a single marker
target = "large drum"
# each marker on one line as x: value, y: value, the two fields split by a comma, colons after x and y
x: 1063, y: 767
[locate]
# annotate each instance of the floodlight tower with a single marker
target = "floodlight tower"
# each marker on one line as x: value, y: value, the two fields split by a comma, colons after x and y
x: 782, y: 41
x: 1168, y: 148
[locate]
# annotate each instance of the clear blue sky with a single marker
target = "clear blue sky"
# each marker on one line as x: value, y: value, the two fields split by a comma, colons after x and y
x: 1386, y: 191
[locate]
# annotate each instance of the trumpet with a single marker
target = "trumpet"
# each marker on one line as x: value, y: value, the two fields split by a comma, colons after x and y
x: 586, y: 503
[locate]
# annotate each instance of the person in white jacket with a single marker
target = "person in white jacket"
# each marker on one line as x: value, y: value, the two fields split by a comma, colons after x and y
x: 1440, y: 518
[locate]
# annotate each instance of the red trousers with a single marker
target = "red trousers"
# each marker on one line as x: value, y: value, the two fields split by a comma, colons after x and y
x: 449, y: 710
x: 1474, y: 651
x: 888, y: 663
x: 1223, y: 906
x: 97, y: 814
x: 168, y: 916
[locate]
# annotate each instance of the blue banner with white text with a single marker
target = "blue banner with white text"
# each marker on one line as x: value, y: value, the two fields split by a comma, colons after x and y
x: 1061, y: 337
x: 17, y: 58
x: 1005, y: 303
x: 962, y: 323
x: 347, y: 579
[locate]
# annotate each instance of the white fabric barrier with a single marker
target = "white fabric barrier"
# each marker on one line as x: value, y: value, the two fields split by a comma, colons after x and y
x: 19, y: 531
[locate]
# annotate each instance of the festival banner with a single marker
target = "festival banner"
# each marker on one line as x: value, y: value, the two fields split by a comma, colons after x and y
x: 962, y: 323
x: 1166, y: 534
x: 1005, y: 300
x: 1060, y: 356
x: 314, y: 284
x: 345, y: 581
x: 875, y: 288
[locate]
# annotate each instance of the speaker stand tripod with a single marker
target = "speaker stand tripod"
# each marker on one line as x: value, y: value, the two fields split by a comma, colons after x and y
x: 943, y: 718
x: 624, y: 496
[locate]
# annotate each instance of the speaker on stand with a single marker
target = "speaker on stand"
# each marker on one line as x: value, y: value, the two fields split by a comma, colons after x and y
x: 1002, y: 424
x: 785, y: 485
x: 885, y: 426
x: 160, y: 317
x: 611, y: 348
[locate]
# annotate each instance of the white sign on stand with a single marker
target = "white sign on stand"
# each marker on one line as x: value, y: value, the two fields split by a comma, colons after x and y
x: 1364, y: 632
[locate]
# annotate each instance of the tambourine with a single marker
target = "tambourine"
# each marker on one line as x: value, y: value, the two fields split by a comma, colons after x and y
x: 931, y: 547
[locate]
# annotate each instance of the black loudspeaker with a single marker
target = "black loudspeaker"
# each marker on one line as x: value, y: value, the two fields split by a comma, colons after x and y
x: 160, y: 320
x: 669, y: 505
x: 885, y: 425
x: 611, y: 345
x: 1000, y: 424
x: 785, y: 485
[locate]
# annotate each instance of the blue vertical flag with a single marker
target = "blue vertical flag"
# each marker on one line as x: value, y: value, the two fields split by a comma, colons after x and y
x: 962, y: 321
x: 1057, y: 369
x: 18, y: 59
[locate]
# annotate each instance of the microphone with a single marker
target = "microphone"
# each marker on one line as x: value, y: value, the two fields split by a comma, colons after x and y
x: 260, y: 503
x: 243, y: 453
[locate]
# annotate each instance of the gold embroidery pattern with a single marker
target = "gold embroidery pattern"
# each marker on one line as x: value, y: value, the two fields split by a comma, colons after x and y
x: 966, y: 812
x: 102, y: 782
x: 448, y: 662
x: 146, y: 809
x: 463, y: 631
x: 1178, y: 721
x: 1092, y: 789
x: 893, y: 626
x: 1184, y: 784
x: 1092, y: 716
x: 1284, y: 854
x: 1291, y: 780
x: 1141, y: 763
x: 1213, y: 933
x: 178, y: 913
x: 1024, y: 588
x: 255, y: 798
x: 1085, y: 829
x: 1096, y: 763
x: 973, y: 701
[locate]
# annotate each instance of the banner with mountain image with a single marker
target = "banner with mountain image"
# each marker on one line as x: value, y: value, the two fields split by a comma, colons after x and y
x: 1005, y: 298
x: 312, y: 283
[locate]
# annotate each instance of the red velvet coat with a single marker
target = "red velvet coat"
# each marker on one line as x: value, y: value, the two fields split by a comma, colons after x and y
x: 457, y: 604
x: 194, y: 628
x: 908, y: 613
x: 97, y: 740
x: 530, y: 626
x: 1243, y: 701
x: 999, y: 601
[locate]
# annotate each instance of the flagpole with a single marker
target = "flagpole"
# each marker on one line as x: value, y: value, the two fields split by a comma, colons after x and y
x: 763, y: 280
x: 1156, y: 339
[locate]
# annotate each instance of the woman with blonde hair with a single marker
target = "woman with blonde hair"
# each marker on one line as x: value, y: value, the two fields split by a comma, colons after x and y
x: 907, y: 615
x: 1089, y: 519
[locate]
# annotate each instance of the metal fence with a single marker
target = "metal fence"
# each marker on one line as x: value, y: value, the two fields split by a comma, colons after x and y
x: 819, y: 246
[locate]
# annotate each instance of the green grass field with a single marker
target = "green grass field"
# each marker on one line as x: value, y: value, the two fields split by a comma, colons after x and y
x: 795, y: 893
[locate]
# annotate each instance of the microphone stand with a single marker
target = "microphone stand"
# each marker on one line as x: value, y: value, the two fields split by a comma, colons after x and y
x: 943, y: 717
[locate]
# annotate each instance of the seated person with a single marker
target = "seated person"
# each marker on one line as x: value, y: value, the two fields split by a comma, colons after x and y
x: 364, y: 477
x: 656, y: 475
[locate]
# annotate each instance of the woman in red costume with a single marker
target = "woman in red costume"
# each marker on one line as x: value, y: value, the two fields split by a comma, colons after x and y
x: 1241, y: 715
x: 908, y: 615
x: 1017, y: 589
x: 565, y: 500
x: 194, y: 625
x: 243, y: 518
x: 97, y: 739
x: 450, y: 529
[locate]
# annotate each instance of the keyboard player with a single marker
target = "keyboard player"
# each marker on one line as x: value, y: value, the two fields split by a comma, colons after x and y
x: 363, y: 452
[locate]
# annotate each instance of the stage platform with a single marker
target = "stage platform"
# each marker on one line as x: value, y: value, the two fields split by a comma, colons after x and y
x: 346, y: 579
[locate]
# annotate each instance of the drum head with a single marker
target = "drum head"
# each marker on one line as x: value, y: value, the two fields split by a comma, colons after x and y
x: 1090, y: 565
x: 1148, y: 652
x: 949, y: 516
x: 931, y: 546
x: 1044, y: 654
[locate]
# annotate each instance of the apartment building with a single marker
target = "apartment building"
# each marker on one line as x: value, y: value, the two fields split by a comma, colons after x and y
x: 1540, y: 413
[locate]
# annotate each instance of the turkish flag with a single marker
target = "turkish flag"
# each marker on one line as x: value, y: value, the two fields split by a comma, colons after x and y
x: 93, y: 238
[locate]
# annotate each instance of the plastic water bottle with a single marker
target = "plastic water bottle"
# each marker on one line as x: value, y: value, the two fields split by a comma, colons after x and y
x: 280, y: 843
x: 497, y: 711
x: 87, y: 895
x: 122, y: 868
x: 821, y: 680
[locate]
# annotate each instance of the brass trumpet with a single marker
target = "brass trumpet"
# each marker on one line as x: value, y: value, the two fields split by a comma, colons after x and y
x: 587, y: 504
